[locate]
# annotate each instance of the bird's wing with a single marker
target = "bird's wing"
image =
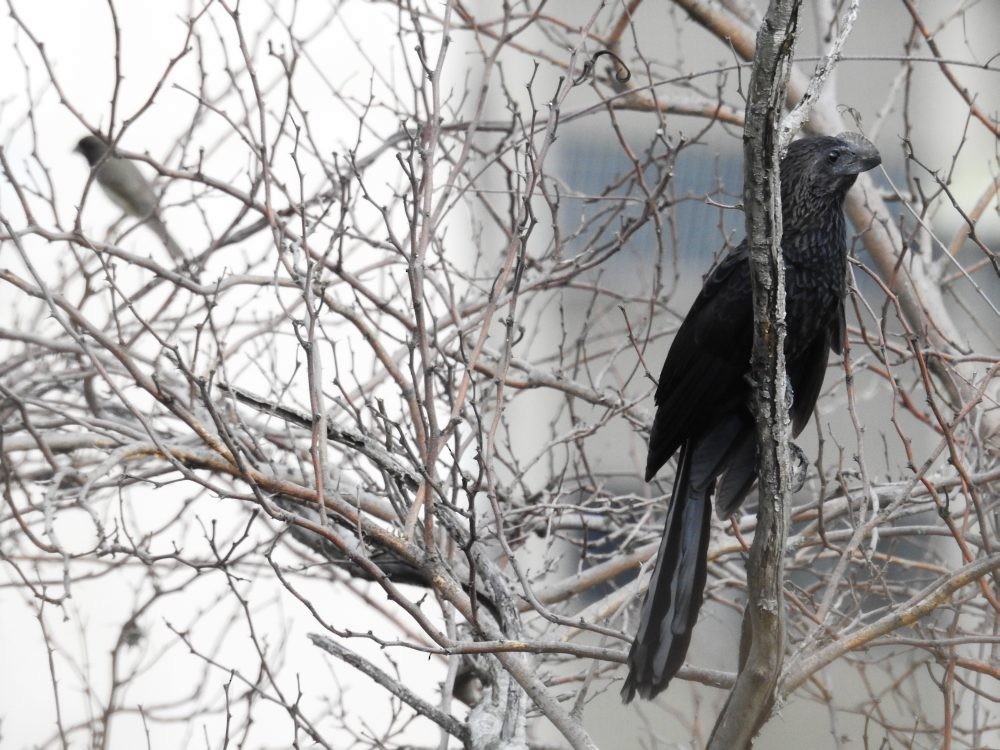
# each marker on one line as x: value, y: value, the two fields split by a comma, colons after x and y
x: 703, y: 372
x: 838, y: 329
x: 125, y: 185
x: 806, y: 377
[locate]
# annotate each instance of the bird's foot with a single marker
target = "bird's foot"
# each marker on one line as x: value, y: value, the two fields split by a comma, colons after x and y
x: 799, y: 464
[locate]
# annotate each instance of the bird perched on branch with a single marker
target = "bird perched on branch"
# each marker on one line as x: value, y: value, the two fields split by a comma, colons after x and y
x: 124, y: 184
x: 703, y: 397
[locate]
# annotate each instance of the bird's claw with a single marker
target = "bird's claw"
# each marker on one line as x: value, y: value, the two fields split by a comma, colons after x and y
x: 799, y: 465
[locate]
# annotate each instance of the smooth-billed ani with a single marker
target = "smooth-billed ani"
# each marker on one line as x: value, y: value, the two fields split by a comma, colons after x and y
x: 704, y: 392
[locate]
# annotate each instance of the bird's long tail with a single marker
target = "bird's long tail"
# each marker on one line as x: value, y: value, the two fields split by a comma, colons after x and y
x: 670, y: 609
x: 160, y: 229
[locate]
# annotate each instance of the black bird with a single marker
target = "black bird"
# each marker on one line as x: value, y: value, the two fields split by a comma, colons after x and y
x: 704, y: 392
x: 124, y: 184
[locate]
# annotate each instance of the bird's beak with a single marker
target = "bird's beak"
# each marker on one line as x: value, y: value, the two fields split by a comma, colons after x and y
x: 865, y: 155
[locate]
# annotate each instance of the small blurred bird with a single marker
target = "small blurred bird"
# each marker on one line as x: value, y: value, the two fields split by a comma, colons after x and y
x: 124, y: 184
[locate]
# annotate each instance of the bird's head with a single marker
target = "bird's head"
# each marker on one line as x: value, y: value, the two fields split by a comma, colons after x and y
x: 92, y: 148
x: 823, y: 166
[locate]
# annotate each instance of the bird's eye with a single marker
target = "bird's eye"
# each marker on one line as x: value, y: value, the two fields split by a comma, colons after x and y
x: 833, y: 156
